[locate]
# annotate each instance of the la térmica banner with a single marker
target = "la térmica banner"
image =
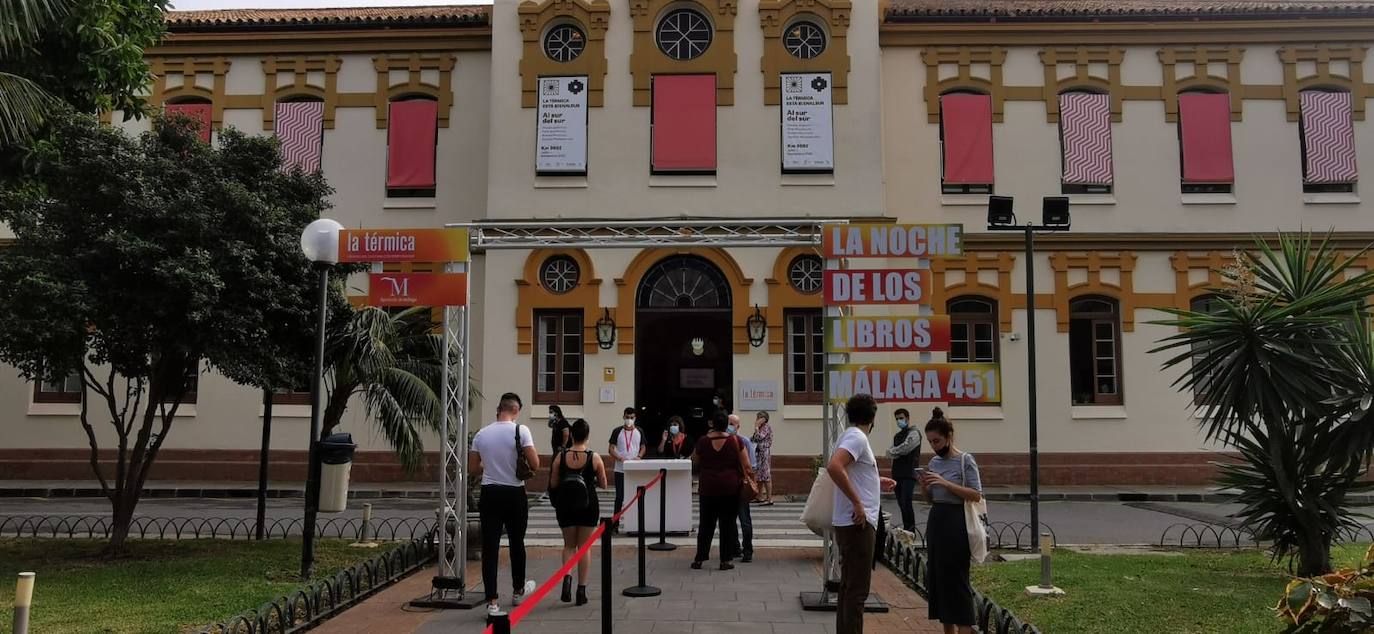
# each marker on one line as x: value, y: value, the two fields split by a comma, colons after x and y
x: 955, y: 383
x: 403, y: 245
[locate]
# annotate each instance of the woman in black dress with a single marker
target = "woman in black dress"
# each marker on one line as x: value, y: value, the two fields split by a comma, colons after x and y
x: 577, y: 520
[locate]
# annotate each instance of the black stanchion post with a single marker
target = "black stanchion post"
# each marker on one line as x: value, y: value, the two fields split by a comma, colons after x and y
x: 500, y: 624
x: 643, y: 589
x: 662, y: 544
x: 606, y: 575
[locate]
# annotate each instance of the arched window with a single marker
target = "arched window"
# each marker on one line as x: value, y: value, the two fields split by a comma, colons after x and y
x: 684, y: 282
x: 973, y: 330
x: 1327, y: 132
x: 298, y: 121
x: 1210, y: 305
x: 1095, y: 351
x: 684, y: 33
x: 966, y: 143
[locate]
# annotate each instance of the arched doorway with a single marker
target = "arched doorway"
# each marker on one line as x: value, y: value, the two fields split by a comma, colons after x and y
x: 682, y: 343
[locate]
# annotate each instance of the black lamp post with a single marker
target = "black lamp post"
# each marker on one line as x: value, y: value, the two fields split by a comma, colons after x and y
x: 1055, y: 217
x: 757, y: 326
x: 320, y: 243
x: 605, y: 330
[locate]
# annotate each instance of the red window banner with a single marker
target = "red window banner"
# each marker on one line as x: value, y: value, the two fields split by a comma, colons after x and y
x: 684, y: 123
x: 1204, y: 121
x: 403, y: 245
x: 417, y: 289
x: 201, y: 112
x: 915, y: 333
x: 410, y: 144
x: 876, y: 286
x: 892, y: 241
x: 966, y: 122
x: 960, y: 383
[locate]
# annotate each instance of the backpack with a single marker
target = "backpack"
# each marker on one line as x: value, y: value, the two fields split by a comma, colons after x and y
x: 573, y: 493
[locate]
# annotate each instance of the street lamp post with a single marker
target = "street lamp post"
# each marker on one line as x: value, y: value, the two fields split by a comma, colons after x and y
x: 1055, y: 217
x: 320, y: 243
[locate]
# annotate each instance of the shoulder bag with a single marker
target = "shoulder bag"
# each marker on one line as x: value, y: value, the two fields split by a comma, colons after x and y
x: 975, y: 519
x: 523, y: 470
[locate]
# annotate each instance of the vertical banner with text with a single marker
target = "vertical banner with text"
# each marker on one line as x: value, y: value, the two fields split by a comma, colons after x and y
x: 808, y: 135
x: 561, y: 141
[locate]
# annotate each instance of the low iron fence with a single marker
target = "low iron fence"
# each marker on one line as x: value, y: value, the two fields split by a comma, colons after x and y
x: 907, y: 559
x: 1001, y: 535
x: 322, y: 599
x: 99, y: 527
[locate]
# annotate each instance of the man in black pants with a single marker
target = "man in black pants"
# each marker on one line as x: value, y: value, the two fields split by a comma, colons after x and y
x: 627, y: 443
x: 906, y: 455
x: 503, y: 505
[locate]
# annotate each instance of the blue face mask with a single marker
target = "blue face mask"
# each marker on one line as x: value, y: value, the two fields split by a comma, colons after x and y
x: 729, y: 429
x: 673, y: 430
x: 901, y: 423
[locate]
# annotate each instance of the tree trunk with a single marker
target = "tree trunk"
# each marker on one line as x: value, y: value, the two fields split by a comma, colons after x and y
x: 1314, y: 556
x: 120, y: 522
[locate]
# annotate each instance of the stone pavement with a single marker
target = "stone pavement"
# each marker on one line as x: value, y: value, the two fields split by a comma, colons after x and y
x: 759, y: 597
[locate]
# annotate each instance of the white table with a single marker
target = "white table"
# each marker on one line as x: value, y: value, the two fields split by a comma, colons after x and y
x: 678, y: 482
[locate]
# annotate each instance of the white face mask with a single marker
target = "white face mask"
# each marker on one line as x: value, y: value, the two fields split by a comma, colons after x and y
x: 629, y: 422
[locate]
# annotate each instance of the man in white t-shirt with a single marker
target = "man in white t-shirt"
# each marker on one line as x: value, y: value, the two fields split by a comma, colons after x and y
x: 854, y: 470
x: 503, y: 505
x: 627, y: 443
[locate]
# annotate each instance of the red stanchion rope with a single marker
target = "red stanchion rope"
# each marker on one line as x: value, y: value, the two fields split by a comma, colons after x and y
x: 531, y: 601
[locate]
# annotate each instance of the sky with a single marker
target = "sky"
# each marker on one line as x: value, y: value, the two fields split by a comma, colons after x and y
x: 189, y: 5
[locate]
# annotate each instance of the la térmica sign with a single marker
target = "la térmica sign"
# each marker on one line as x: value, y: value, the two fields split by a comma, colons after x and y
x: 561, y: 141
x: 808, y: 135
x: 403, y: 245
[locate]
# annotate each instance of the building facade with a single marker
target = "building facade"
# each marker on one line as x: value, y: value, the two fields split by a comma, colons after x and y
x: 1177, y: 132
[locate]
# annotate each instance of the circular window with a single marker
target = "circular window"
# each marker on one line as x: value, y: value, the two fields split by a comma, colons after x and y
x: 805, y: 273
x: 804, y: 40
x: 683, y: 34
x: 564, y: 42
x: 559, y: 274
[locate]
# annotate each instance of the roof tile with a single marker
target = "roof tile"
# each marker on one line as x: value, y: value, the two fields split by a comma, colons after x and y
x: 337, y: 17
x: 1035, y: 10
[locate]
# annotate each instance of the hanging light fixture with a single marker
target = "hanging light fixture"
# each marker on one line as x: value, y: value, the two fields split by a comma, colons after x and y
x: 605, y: 330
x: 757, y: 326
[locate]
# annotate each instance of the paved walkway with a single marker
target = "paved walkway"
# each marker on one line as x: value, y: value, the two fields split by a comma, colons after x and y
x: 759, y: 597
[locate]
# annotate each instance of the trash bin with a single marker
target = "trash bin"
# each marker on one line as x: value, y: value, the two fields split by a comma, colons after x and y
x: 336, y: 460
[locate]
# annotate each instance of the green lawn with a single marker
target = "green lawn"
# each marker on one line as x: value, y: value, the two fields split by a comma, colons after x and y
x: 162, y: 586
x: 1201, y: 591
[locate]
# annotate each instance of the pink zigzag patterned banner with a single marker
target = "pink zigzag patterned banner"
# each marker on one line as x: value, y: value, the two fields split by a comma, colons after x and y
x: 1329, y: 136
x: 1085, y: 128
x: 300, y: 127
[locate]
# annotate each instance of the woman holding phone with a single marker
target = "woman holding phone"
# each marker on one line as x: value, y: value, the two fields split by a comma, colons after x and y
x: 951, y: 479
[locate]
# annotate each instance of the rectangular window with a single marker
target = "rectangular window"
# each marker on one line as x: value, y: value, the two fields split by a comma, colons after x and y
x: 1327, y: 131
x: 973, y: 339
x: 192, y: 385
x: 1085, y: 136
x: 67, y: 390
x: 300, y: 128
x: 966, y: 143
x: 558, y: 373
x: 1095, y: 361
x: 1204, y: 128
x: 299, y: 395
x: 805, y: 356
x: 201, y: 112
x: 412, y: 133
x: 683, y: 124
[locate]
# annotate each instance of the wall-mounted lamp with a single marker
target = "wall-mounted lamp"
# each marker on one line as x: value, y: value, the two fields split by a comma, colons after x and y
x: 605, y: 330
x: 757, y: 326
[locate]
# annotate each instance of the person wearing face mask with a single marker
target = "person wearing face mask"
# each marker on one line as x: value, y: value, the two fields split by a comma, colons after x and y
x: 674, y: 443
x: 627, y: 443
x: 854, y: 470
x: 746, y: 521
x: 905, y: 454
x: 951, y: 479
x: 560, y: 435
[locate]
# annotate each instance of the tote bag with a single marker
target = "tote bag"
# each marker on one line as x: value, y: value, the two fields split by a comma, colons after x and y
x: 820, y: 504
x: 975, y: 520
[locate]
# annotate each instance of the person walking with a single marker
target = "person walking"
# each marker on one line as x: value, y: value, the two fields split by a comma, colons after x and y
x: 674, y: 444
x: 763, y: 461
x: 905, y: 454
x: 854, y: 470
x: 577, y: 475
x: 746, y: 521
x: 503, y: 505
x: 627, y: 443
x: 559, y: 436
x: 722, y: 464
x: 951, y: 479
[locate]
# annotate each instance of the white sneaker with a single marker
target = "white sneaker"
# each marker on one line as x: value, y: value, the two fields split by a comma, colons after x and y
x: 520, y: 596
x: 494, y: 609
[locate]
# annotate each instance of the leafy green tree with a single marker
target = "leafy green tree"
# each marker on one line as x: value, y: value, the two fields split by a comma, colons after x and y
x: 88, y: 53
x: 135, y: 260
x: 1283, y: 370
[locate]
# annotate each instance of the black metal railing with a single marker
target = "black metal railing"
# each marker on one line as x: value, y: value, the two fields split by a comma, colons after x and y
x: 99, y: 527
x: 1001, y: 535
x: 322, y: 599
x: 1204, y: 535
x: 907, y: 560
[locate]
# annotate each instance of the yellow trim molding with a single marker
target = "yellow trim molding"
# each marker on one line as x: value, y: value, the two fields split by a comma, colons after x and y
x: 967, y: 77
x: 533, y: 296
x: 783, y: 296
x: 720, y: 59
x: 628, y: 286
x: 414, y: 64
x: 536, y: 17
x: 1321, y: 57
x: 834, y: 16
x: 298, y: 70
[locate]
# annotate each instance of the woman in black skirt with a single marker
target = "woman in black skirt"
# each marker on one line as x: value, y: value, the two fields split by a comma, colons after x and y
x: 577, y: 519
x: 950, y: 480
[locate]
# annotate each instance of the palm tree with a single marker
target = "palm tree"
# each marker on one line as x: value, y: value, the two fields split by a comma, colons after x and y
x: 393, y: 364
x: 22, y: 102
x: 1282, y: 368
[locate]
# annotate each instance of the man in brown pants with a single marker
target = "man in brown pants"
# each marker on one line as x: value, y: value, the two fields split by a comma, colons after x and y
x: 854, y: 470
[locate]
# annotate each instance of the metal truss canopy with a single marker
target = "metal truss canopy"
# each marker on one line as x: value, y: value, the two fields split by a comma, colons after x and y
x: 760, y: 232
